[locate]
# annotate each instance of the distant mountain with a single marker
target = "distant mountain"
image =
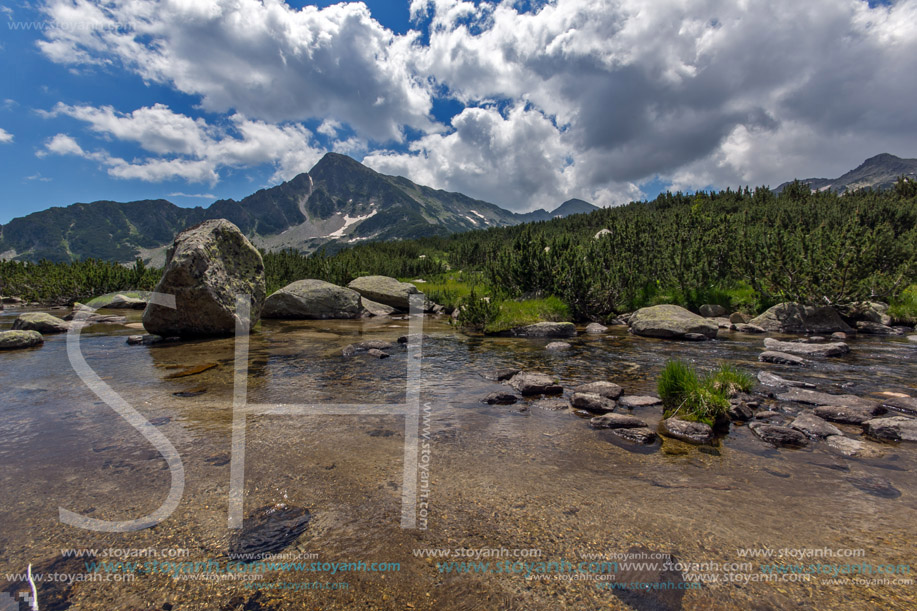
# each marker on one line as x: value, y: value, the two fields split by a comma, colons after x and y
x: 339, y: 202
x: 879, y: 172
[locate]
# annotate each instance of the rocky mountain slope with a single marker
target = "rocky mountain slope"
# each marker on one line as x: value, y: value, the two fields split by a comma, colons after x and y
x: 339, y: 202
x: 879, y: 172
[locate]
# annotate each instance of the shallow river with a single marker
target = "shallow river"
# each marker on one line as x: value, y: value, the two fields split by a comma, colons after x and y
x: 533, y: 489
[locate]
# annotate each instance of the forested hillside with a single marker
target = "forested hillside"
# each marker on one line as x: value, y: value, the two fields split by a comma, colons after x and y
x: 745, y: 249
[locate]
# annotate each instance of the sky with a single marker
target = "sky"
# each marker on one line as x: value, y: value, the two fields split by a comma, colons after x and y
x: 523, y: 103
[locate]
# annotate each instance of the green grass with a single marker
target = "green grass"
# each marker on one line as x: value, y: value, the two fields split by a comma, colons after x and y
x: 699, y: 399
x: 451, y: 289
x: 520, y: 313
x: 904, y: 308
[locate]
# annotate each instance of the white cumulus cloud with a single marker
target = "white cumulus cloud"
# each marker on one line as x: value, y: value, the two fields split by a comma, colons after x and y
x: 5, y: 136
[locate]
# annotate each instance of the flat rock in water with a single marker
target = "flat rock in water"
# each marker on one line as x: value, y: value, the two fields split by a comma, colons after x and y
x: 695, y: 337
x: 814, y: 427
x: 591, y: 402
x: 781, y: 358
x: 769, y: 379
x: 312, y: 299
x: 609, y: 390
x: 895, y: 428
x: 558, y: 346
x: 780, y: 436
x: 143, y: 340
x: 269, y: 530
x: 740, y: 412
x: 616, y: 421
x: 595, y: 328
x: 373, y: 344
x: 535, y: 384
x: 670, y: 322
x: 852, y: 447
x: 15, y: 340
x: 683, y: 430
x: 501, y: 375
x: 375, y: 352
x: 848, y: 415
x: 829, y: 349
x: 545, y: 329
x: 634, y: 401
x: 206, y: 268
x: 642, y: 435
x: 905, y: 404
x: 796, y: 318
x: 500, y: 398
x: 804, y: 395
x: 41, y: 322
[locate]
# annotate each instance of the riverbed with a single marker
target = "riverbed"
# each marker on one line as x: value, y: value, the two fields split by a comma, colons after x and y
x: 518, y: 485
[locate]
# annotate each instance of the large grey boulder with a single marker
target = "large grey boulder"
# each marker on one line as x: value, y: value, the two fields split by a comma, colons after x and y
x: 374, y: 308
x: 207, y: 266
x: 546, y: 329
x: 829, y: 349
x: 313, y: 299
x: 792, y: 317
x: 41, y: 322
x: 385, y: 290
x: 14, y: 340
x: 873, y: 328
x: 670, y: 322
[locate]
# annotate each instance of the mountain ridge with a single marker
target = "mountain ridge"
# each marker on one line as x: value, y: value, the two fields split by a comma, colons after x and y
x: 338, y: 202
x: 877, y: 172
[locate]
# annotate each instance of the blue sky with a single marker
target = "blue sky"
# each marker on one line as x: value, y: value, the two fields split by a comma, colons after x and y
x: 524, y: 104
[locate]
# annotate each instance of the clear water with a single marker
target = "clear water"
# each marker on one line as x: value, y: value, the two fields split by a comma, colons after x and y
x: 514, y: 477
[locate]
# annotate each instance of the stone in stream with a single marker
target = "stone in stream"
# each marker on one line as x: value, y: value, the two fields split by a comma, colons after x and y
x: 616, y: 421
x: 695, y: 337
x: 558, y: 346
x: 874, y: 328
x: 143, y: 340
x: 268, y: 530
x: 712, y: 310
x: 595, y: 328
x: 373, y: 344
x: 876, y: 486
x: 848, y: 415
x: 796, y: 318
x: 591, y: 402
x: 780, y: 436
x: 722, y: 322
x: 900, y: 403
x: 814, y: 427
x: 683, y: 430
x: 870, y: 311
x: 739, y: 318
x: 641, y: 434
x: 804, y: 395
x: 781, y: 358
x: 375, y: 352
x: 770, y: 379
x: 535, y: 384
x: 41, y: 322
x: 15, y: 340
x: 653, y: 585
x: 739, y: 411
x: 374, y: 308
x: 499, y: 398
x: 609, y: 390
x: 312, y: 299
x: 670, y: 322
x: 501, y: 375
x: 895, y: 428
x: 207, y: 267
x: 831, y: 349
x: 912, y: 338
x: 852, y: 447
x: 634, y: 401
x: 416, y: 337
x: 545, y: 329
x: 385, y: 290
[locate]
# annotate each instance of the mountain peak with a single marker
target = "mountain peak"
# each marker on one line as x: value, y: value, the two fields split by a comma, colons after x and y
x: 573, y: 206
x: 881, y: 158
